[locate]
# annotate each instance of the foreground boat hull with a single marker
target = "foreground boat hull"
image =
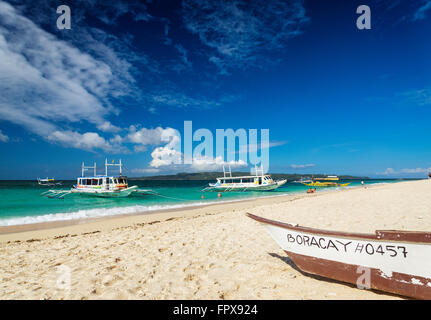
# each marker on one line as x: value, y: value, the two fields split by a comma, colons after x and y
x: 399, y: 283
x: 397, y: 262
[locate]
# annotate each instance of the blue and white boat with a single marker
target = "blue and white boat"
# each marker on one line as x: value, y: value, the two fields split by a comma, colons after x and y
x: 106, y: 186
x: 257, y: 182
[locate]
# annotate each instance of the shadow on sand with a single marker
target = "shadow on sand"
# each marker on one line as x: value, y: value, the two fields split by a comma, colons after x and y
x: 289, y: 261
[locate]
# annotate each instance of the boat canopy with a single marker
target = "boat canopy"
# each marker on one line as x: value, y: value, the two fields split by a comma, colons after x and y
x: 99, y: 180
x: 328, y: 178
x: 244, y: 177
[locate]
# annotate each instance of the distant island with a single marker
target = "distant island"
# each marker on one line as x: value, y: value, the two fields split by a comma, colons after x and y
x: 214, y: 175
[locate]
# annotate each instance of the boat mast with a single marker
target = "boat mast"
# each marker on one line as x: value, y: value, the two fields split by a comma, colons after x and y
x: 257, y: 170
x: 113, y: 164
x: 83, y: 168
x: 224, y: 172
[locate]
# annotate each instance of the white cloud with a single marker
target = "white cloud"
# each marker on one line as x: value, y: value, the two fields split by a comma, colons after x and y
x: 65, y: 82
x: 412, y: 11
x: 421, y: 13
x: 47, y: 84
x: 184, y: 60
x: 166, y: 155
x: 420, y: 97
x: 117, y: 139
x: 108, y: 127
x: 176, y: 99
x: 169, y: 155
x: 302, y: 166
x: 277, y: 143
x: 86, y: 141
x: 239, y: 31
x: 3, y: 137
x: 416, y: 170
x: 391, y: 171
x: 211, y: 164
x: 47, y: 80
x: 146, y: 136
x: 140, y: 148
x: 171, y: 152
x: 168, y: 161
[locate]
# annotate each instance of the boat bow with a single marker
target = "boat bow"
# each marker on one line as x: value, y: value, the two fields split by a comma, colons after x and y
x: 393, y: 261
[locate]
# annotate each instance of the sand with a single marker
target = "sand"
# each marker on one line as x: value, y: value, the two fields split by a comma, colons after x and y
x: 212, y: 252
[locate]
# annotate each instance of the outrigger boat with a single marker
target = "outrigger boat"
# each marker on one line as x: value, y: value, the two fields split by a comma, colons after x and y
x: 327, y: 182
x: 48, y: 182
x: 303, y: 180
x: 393, y: 261
x: 258, y: 182
x: 99, y: 185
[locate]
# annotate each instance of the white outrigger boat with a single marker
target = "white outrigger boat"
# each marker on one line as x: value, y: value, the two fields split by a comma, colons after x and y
x: 47, y: 182
x: 303, y: 180
x: 257, y: 182
x: 99, y: 185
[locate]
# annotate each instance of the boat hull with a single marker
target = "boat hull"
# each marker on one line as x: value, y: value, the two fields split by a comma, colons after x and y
x: 326, y: 184
x: 397, y: 262
x: 245, y: 187
x: 281, y: 182
x: 107, y: 194
x: 242, y: 188
x: 49, y: 184
x: 399, y: 283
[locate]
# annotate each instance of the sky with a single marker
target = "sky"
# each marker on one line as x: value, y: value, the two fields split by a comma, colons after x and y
x: 121, y: 82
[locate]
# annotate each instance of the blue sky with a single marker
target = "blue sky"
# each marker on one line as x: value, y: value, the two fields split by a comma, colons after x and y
x: 336, y: 99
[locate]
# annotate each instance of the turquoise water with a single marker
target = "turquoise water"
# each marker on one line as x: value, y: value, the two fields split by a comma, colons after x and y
x: 21, y: 203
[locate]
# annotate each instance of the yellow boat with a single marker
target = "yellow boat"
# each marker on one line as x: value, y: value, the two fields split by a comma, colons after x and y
x: 316, y: 183
x: 329, y: 178
x: 325, y: 184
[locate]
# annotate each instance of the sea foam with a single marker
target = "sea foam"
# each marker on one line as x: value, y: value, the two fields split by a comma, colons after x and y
x: 91, y: 213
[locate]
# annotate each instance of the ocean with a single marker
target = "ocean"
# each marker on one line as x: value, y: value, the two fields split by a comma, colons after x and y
x: 21, y: 202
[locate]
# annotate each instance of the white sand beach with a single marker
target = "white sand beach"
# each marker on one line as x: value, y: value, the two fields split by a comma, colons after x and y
x: 212, y: 252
